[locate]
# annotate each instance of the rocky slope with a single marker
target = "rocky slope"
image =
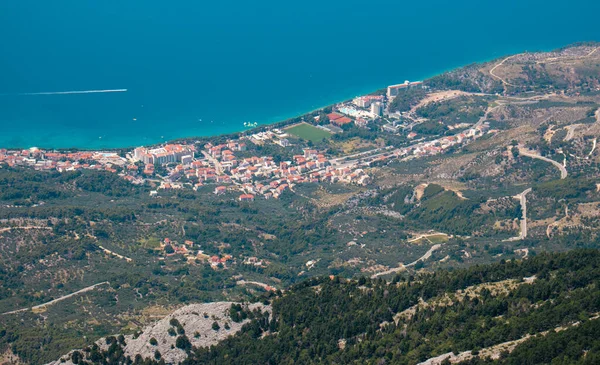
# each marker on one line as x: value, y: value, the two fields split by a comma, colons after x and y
x: 196, y: 319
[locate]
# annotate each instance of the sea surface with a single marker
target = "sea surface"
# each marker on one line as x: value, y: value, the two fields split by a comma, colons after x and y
x: 199, y: 68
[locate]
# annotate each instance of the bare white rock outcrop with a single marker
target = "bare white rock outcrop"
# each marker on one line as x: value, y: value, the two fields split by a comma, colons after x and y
x: 197, y: 321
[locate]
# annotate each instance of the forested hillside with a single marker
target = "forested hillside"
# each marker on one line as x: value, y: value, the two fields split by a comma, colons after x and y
x: 540, y: 310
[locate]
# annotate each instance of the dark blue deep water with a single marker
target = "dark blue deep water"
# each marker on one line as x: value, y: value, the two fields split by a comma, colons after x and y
x: 196, y: 67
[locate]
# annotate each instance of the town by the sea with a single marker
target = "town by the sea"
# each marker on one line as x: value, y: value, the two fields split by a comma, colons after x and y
x: 107, y: 74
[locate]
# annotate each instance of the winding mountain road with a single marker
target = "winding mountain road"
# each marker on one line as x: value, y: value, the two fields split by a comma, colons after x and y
x: 106, y: 250
x: 563, y: 170
x: 24, y: 228
x: 523, y: 198
x: 54, y: 301
x: 498, y: 77
x: 262, y: 285
x: 402, y: 267
x: 570, y: 58
x: 523, y: 234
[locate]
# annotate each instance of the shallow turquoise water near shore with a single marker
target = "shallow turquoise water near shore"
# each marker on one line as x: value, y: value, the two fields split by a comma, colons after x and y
x: 198, y: 68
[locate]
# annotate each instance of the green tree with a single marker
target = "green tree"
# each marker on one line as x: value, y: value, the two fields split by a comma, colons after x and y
x: 183, y: 343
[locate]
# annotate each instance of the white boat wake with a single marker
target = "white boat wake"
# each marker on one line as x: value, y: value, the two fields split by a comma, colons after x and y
x: 73, y: 92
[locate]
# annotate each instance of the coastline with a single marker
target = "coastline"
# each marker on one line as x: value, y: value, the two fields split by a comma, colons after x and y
x: 280, y: 121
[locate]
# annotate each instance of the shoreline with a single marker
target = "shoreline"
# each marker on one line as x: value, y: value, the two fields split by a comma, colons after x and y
x: 295, y: 118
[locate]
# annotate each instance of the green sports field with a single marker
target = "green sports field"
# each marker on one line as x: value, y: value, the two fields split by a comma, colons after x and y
x: 308, y: 132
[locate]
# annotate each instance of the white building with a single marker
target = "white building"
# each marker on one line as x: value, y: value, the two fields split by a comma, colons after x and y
x: 377, y: 109
x: 186, y: 160
x: 284, y: 142
x: 393, y: 90
x: 162, y: 155
x: 362, y: 102
x: 366, y: 100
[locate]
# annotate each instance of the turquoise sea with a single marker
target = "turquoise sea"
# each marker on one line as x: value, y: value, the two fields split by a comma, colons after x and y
x: 197, y: 68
